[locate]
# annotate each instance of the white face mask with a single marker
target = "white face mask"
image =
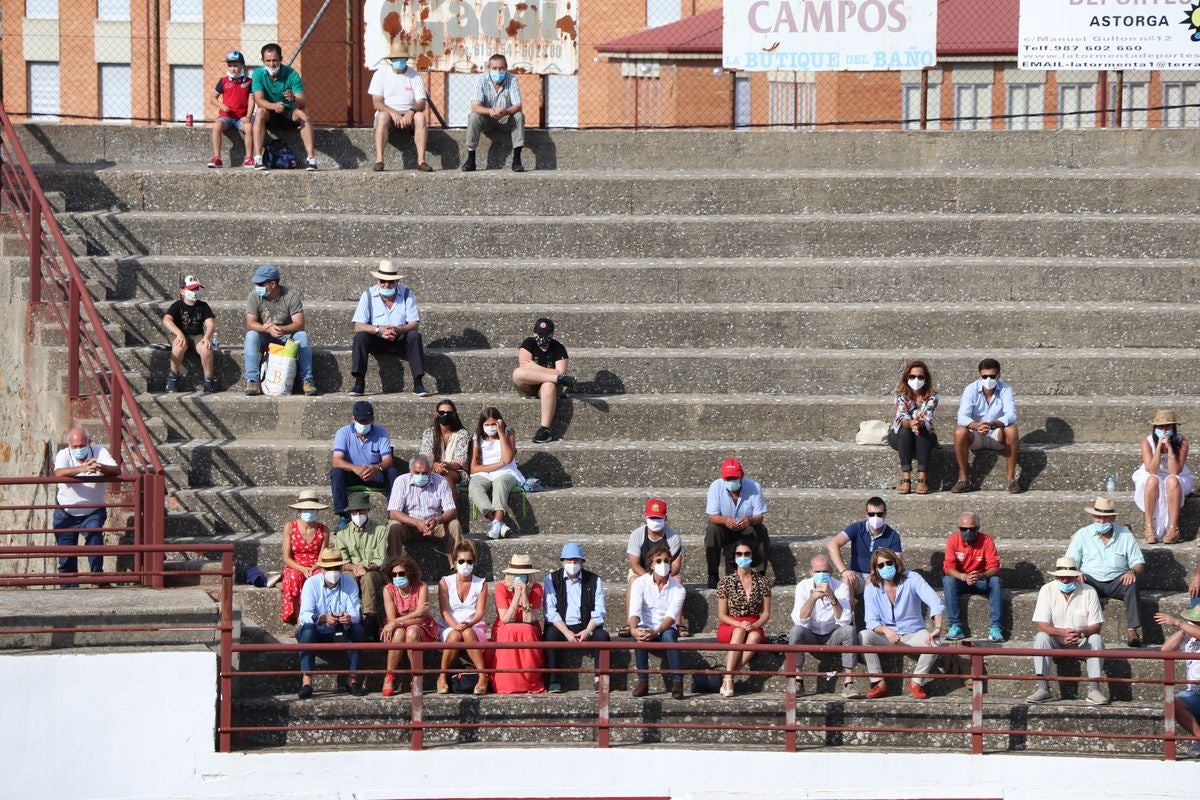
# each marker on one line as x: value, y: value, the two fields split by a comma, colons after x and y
x: 655, y: 524
x: 465, y: 569
x: 572, y: 568
x: 916, y: 384
x: 190, y: 296
x: 332, y: 576
x: 875, y: 523
x: 359, y: 519
x: 989, y: 383
x: 490, y: 430
x: 273, y: 71
x: 233, y: 72
x: 662, y: 569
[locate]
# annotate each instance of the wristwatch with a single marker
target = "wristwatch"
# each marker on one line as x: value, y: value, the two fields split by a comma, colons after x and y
x: 376, y: 330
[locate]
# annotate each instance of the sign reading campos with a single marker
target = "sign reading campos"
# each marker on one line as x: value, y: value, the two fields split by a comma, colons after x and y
x: 1109, y: 34
x: 829, y: 34
x: 536, y: 36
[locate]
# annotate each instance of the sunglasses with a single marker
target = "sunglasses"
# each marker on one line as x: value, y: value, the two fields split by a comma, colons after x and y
x: 661, y: 561
x: 991, y: 375
x: 916, y: 374
x: 743, y: 553
x: 882, y: 563
x: 399, y: 574
x: 876, y: 513
x: 465, y: 561
x: 967, y: 530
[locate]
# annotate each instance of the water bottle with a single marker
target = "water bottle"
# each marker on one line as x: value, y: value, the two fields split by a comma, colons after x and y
x: 1110, y: 486
x: 215, y: 344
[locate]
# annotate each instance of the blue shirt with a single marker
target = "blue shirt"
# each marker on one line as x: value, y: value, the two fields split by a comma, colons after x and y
x: 372, y: 311
x: 974, y: 407
x: 370, y: 450
x: 574, y: 601
x: 1105, y: 562
x: 749, y: 503
x: 862, y: 544
x: 905, y: 615
x: 317, y: 599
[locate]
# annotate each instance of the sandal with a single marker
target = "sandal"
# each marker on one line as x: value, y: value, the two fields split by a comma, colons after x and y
x: 482, y: 687
x: 442, y: 686
x: 922, y: 486
x: 1172, y: 535
x: 389, y: 688
x: 960, y: 487
x: 905, y: 486
x: 1014, y: 486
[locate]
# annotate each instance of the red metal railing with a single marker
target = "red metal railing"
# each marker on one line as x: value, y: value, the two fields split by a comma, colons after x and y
x: 96, y: 383
x: 603, y: 723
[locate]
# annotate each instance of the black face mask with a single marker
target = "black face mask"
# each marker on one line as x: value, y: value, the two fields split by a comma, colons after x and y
x: 542, y: 341
x: 446, y: 418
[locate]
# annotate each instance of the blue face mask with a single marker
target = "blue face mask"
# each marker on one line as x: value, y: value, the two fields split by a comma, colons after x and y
x: 362, y: 428
x: 1066, y: 587
x: 261, y: 291
x: 399, y: 64
x: 420, y: 480
x: 497, y: 75
x: 1104, y: 528
x: 820, y: 577
x: 744, y: 562
x: 81, y: 453
x: 887, y: 572
x: 308, y: 516
x: 733, y: 484
x: 1162, y: 433
x: 400, y: 582
x: 387, y: 292
x: 520, y: 579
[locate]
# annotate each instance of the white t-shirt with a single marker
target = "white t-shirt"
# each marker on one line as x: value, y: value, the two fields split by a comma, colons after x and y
x: 73, y: 494
x: 1191, y: 645
x: 399, y: 90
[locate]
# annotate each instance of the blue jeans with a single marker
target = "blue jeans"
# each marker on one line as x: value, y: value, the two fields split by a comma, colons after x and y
x: 991, y: 587
x: 308, y: 633
x: 68, y: 522
x: 256, y: 342
x: 674, y: 660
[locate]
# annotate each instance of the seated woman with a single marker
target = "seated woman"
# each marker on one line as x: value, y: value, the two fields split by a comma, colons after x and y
x: 518, y: 601
x: 406, y: 604
x: 447, y: 444
x: 462, y: 598
x: 743, y: 608
x: 494, y: 470
x: 892, y: 602
x: 303, y: 539
x: 1187, y: 702
x: 912, y: 429
x: 1163, y: 479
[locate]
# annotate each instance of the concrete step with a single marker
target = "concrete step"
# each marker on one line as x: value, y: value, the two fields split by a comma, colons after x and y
x: 734, y: 371
x: 614, y: 463
x: 1059, y: 419
x: 642, y: 191
x: 767, y: 325
x: 650, y: 236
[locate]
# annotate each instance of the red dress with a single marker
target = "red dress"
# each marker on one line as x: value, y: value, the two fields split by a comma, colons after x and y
x: 305, y: 553
x: 407, y: 605
x: 529, y: 681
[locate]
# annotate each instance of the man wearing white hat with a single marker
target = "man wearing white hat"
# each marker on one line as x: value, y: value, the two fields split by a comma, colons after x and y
x: 1111, y: 561
x: 398, y: 97
x: 387, y: 321
x: 1068, y: 615
x: 330, y: 611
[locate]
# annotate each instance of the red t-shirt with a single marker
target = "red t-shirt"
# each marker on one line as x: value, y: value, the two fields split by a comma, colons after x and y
x: 979, y: 556
x: 235, y: 94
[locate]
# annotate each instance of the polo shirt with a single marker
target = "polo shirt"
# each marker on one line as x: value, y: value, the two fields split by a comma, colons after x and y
x: 749, y: 503
x: 978, y: 556
x: 368, y: 450
x: 399, y: 90
x: 1105, y: 562
x: 862, y: 544
x: 1077, y: 609
x: 508, y: 93
x: 545, y: 358
x: 235, y: 94
x: 822, y: 622
x: 372, y: 310
x: 974, y: 407
x: 273, y: 88
x: 76, y: 494
x: 278, y: 311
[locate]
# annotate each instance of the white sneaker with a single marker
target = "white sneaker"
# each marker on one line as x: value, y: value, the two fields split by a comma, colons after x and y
x: 494, y: 530
x: 1095, y: 697
x: 1194, y: 750
x: 504, y: 530
x: 1040, y: 695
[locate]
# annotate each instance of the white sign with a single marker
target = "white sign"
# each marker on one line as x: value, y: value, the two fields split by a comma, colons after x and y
x: 823, y: 35
x: 1109, y: 34
x: 536, y: 36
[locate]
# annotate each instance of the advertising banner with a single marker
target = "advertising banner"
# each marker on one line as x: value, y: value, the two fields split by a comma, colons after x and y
x: 536, y: 36
x: 1109, y: 34
x: 821, y: 35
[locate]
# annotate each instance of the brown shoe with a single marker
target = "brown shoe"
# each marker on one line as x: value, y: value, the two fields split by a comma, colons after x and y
x: 677, y: 689
x: 641, y: 689
x: 1172, y: 535
x: 960, y: 487
x: 253, y: 388
x: 1148, y: 534
x: 310, y: 389
x: 1014, y: 486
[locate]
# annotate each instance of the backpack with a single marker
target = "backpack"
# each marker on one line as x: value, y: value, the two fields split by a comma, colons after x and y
x: 277, y: 155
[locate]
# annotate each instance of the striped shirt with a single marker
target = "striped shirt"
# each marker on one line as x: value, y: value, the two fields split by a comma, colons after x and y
x: 422, y: 502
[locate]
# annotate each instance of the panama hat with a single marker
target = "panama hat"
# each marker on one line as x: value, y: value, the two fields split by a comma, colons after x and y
x: 1103, y: 507
x: 1164, y: 416
x: 331, y: 558
x: 308, y: 501
x: 387, y: 271
x: 399, y: 49
x: 1066, y: 567
x: 520, y: 564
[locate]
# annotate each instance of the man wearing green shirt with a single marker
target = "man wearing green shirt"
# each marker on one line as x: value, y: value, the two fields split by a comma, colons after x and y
x: 364, y: 545
x: 279, y: 104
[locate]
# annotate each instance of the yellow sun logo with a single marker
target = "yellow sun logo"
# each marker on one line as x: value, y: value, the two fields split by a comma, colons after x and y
x: 1193, y: 21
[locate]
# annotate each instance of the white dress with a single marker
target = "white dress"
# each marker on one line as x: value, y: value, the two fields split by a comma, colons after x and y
x: 1186, y: 482
x: 462, y: 610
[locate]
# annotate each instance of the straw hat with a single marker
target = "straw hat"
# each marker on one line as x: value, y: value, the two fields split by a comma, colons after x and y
x: 331, y: 558
x: 1103, y: 507
x: 308, y: 501
x: 1164, y: 416
x: 1192, y: 614
x: 1066, y: 567
x: 387, y: 271
x: 399, y: 49
x: 520, y: 564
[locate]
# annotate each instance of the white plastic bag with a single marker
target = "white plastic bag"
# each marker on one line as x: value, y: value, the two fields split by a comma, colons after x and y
x: 871, y: 432
x: 280, y: 375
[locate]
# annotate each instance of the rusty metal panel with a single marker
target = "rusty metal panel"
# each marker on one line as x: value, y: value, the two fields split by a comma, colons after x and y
x: 536, y: 36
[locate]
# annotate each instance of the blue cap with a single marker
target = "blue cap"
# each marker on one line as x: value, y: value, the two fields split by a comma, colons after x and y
x: 235, y: 55
x: 255, y: 577
x: 363, y: 411
x: 572, y: 550
x: 265, y: 273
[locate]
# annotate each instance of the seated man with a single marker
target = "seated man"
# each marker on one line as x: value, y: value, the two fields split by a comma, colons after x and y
x: 362, y: 456
x: 971, y: 564
x: 330, y: 611
x: 190, y: 317
x: 497, y: 106
x: 1111, y: 561
x: 574, y: 609
x: 1068, y: 615
x: 642, y: 540
x: 987, y: 419
x: 274, y: 314
x: 735, y: 510
x: 865, y: 537
x: 821, y: 615
x: 398, y: 97
x: 279, y: 104
x: 542, y: 366
x: 422, y: 506
x: 655, y: 605
x: 386, y: 321
x: 364, y: 546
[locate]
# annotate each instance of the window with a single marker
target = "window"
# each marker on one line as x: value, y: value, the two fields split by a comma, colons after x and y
x: 643, y: 90
x: 187, y: 92
x: 116, y: 91
x: 1134, y: 95
x: 43, y: 88
x: 911, y: 106
x: 972, y: 106
x: 741, y: 101
x: 261, y: 11
x: 114, y: 10
x: 460, y: 89
x: 792, y: 99
x: 1076, y: 105
x: 663, y: 12
x: 1180, y: 94
x: 187, y: 11
x: 562, y: 101
x: 41, y: 9
x: 1023, y: 99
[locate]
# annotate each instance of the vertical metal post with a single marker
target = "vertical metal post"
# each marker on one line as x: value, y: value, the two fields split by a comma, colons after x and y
x: 925, y: 99
x: 1119, y: 111
x: 155, y: 62
x: 544, y: 111
x: 225, y: 737
x: 789, y: 702
x: 35, y: 250
x: 139, y: 523
x: 1169, y: 709
x: 73, y: 346
x: 603, y: 663
x: 1102, y: 99
x: 153, y: 498
x: 416, y: 705
x: 977, y: 704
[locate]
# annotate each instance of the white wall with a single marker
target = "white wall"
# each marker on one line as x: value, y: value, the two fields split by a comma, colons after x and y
x: 141, y: 726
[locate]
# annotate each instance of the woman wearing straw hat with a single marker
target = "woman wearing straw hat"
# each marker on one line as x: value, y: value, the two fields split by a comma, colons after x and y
x: 303, y: 539
x: 518, y: 601
x: 1187, y: 639
x: 1163, y: 479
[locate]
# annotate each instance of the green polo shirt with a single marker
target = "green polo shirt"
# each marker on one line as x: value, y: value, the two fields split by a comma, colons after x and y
x: 364, y: 546
x: 273, y: 88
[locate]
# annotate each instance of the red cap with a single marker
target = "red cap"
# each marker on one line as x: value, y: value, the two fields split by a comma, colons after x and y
x: 656, y: 507
x: 731, y: 468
